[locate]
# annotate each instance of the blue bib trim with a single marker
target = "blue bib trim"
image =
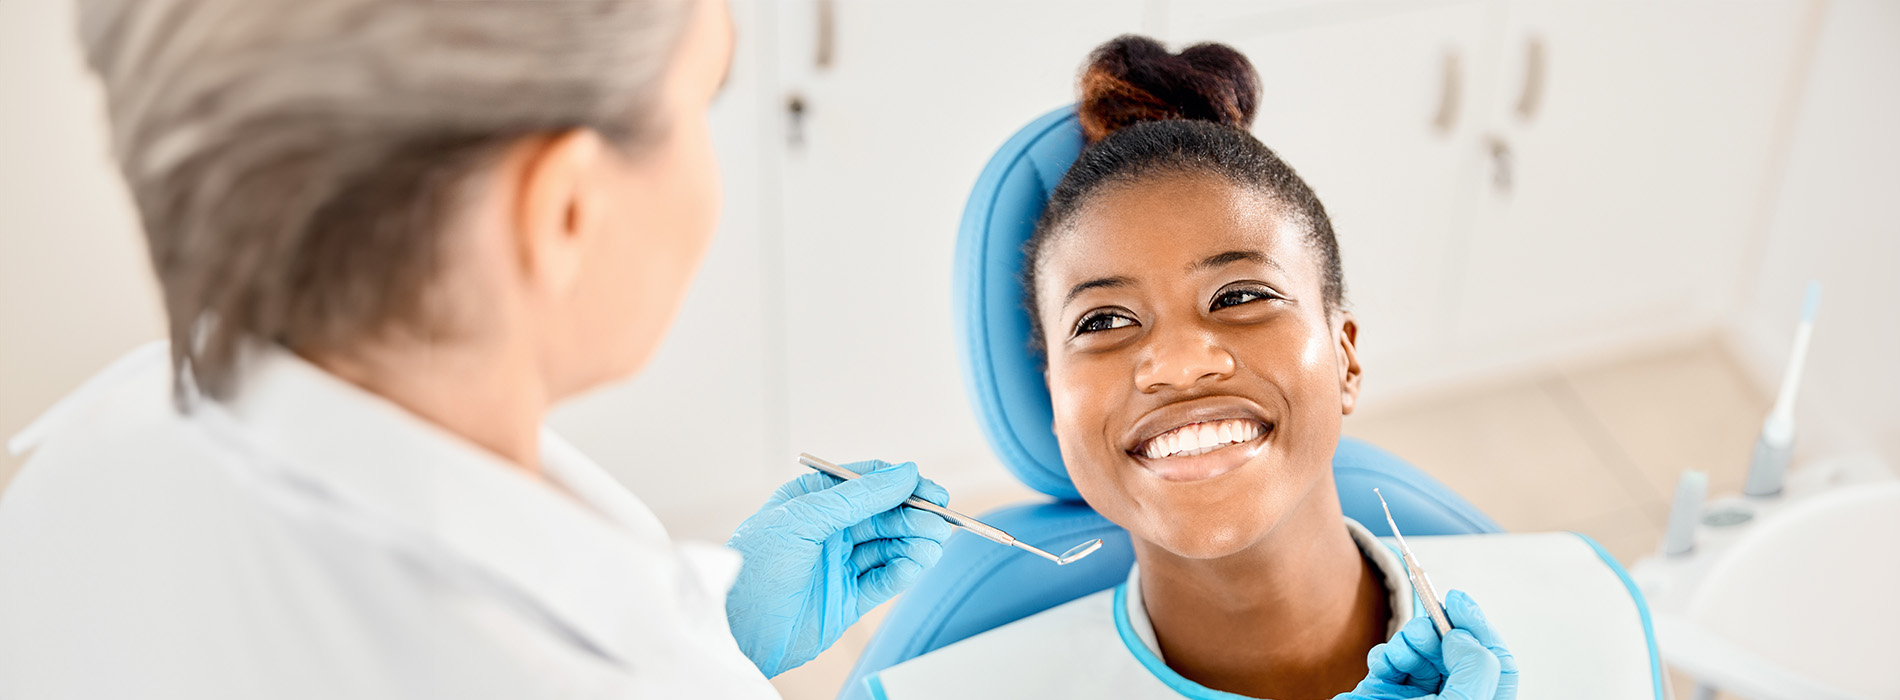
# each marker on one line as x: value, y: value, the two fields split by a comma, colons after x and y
x: 1642, y: 610
x: 1161, y: 672
x: 876, y: 687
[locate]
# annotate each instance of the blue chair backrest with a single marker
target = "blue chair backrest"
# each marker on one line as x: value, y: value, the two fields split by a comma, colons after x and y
x: 979, y: 585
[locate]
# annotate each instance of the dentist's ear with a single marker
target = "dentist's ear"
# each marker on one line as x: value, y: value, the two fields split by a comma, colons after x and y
x: 559, y: 207
x: 1346, y: 336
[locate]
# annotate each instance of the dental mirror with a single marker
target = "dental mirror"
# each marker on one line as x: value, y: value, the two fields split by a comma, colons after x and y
x: 978, y: 527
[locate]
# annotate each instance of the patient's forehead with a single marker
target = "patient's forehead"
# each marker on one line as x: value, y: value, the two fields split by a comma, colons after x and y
x: 1161, y: 227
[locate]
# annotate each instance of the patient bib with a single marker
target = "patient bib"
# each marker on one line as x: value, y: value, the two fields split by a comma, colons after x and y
x: 1567, y: 612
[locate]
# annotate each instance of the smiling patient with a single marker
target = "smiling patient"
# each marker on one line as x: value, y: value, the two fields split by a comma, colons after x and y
x: 1185, y: 286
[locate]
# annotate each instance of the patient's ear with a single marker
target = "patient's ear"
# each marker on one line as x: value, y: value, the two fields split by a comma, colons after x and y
x: 1346, y: 334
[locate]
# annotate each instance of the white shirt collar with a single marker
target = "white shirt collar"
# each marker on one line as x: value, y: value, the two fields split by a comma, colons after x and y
x: 1398, y: 587
x: 577, y: 565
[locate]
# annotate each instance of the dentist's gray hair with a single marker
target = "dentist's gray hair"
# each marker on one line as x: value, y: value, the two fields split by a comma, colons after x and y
x: 298, y: 163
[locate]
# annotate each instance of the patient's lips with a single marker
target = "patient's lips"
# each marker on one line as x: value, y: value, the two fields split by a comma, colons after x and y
x: 1203, y: 449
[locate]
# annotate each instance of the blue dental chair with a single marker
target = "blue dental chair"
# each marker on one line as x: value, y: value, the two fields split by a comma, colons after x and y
x: 979, y: 585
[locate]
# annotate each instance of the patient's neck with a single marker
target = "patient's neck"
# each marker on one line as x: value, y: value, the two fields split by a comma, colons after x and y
x: 1290, y: 618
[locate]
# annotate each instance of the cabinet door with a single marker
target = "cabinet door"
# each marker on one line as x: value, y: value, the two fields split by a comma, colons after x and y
x: 875, y: 173
x: 1638, y: 180
x: 1375, y: 105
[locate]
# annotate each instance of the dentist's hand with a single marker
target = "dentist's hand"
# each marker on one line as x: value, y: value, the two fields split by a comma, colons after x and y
x: 824, y: 551
x: 1469, y: 663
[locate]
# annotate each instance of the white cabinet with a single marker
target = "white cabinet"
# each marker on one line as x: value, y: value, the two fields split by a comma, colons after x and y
x: 1639, y: 181
x: 1516, y: 181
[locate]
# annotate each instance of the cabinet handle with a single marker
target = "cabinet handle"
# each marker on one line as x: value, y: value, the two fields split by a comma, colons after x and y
x: 795, y: 120
x: 1501, y: 175
x: 1450, y: 93
x: 1535, y: 65
x: 827, y: 34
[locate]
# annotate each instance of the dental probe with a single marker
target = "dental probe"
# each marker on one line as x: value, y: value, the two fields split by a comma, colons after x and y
x: 966, y: 522
x: 1420, y: 582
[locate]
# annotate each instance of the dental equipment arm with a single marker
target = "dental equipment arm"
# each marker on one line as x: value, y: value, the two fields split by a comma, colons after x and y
x: 1774, y: 449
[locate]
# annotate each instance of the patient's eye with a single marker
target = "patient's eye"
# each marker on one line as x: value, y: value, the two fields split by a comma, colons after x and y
x: 1235, y: 296
x: 1106, y: 320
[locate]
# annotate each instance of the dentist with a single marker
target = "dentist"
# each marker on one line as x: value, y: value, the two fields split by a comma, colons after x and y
x: 391, y: 235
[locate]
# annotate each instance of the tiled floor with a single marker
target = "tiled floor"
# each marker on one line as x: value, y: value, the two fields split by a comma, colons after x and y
x: 1594, y: 447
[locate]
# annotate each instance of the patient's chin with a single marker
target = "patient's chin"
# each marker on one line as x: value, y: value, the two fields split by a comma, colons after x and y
x: 1206, y: 541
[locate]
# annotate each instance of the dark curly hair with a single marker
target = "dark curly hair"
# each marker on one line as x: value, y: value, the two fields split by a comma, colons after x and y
x: 1147, y: 113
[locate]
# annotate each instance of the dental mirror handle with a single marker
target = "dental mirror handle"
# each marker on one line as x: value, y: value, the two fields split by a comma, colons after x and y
x: 966, y: 522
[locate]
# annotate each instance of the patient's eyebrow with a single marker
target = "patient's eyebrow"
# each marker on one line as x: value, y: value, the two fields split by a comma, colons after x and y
x: 1234, y: 256
x: 1102, y: 283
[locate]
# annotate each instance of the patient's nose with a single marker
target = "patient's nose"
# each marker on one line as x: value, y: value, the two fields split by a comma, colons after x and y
x: 1180, y: 358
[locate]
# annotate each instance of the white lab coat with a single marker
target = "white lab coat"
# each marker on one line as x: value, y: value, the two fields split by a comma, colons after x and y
x: 311, y: 540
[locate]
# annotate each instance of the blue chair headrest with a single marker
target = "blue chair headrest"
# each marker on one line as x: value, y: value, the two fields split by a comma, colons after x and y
x: 1006, y: 381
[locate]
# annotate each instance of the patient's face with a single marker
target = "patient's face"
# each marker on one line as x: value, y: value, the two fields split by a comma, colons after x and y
x: 1197, y: 377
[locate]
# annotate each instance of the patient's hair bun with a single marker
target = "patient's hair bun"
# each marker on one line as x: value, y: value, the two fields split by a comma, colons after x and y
x: 1134, y: 79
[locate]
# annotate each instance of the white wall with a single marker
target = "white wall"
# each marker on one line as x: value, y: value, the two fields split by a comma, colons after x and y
x: 1833, y: 219
x: 75, y: 290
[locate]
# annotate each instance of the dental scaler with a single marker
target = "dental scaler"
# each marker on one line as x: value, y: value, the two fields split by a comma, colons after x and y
x: 977, y: 527
x: 1421, y: 584
x: 1775, y: 448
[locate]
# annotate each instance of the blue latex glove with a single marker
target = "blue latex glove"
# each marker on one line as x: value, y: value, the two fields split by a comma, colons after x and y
x: 824, y: 551
x: 1469, y: 663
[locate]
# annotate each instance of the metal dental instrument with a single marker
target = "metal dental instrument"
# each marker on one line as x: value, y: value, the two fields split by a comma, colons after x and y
x: 1421, y: 583
x: 966, y: 522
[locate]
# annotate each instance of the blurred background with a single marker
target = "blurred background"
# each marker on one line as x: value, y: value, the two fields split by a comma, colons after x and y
x: 1575, y: 234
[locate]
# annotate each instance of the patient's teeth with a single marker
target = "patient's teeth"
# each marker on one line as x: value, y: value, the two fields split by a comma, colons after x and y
x: 1201, y: 438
